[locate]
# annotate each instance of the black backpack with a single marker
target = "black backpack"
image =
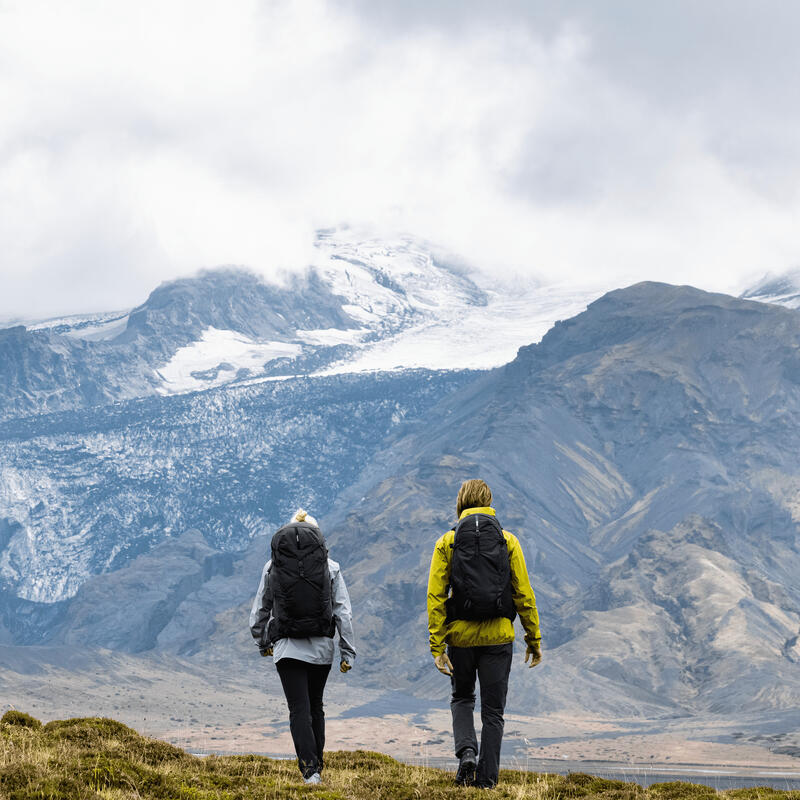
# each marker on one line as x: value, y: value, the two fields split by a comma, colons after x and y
x: 480, y: 572
x: 300, y: 584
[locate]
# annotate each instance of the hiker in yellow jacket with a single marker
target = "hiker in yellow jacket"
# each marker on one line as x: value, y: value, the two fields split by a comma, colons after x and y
x: 477, y: 584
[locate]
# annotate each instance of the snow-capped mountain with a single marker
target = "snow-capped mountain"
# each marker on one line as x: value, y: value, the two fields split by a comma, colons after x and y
x: 431, y: 314
x: 644, y: 450
x: 362, y: 305
x: 782, y: 289
x: 645, y: 453
x: 101, y: 458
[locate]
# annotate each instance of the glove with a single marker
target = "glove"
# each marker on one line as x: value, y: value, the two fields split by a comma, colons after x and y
x: 266, y: 652
x: 443, y: 664
x: 534, y: 652
x: 345, y: 665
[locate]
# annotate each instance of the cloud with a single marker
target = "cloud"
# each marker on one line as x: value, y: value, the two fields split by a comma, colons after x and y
x: 144, y: 141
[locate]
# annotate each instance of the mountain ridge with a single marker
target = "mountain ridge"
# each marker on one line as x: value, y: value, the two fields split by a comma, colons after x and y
x: 644, y: 452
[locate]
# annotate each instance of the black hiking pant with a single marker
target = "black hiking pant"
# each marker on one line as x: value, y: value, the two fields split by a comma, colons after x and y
x: 492, y: 665
x: 303, y: 685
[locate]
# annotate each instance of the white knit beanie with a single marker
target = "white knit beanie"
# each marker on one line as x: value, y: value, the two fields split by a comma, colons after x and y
x: 303, y: 516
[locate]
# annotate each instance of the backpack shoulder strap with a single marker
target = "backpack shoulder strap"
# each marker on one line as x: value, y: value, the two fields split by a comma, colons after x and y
x: 320, y: 539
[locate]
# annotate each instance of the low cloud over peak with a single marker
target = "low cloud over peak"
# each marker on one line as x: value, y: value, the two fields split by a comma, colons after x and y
x: 144, y: 142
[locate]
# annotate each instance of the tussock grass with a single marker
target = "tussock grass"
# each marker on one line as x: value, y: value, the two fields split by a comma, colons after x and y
x: 101, y: 759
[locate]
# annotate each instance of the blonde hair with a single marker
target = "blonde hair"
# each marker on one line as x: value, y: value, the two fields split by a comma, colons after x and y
x: 473, y: 493
x: 301, y: 515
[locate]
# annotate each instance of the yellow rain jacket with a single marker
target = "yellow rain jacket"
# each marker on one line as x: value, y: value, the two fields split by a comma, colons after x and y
x: 477, y: 633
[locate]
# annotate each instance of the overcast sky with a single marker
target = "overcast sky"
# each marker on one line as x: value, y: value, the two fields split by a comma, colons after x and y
x: 572, y: 141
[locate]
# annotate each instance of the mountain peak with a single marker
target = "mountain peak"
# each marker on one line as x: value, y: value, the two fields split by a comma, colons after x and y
x: 236, y: 299
x: 644, y: 309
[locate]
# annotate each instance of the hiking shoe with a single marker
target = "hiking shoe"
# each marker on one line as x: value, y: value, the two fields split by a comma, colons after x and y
x: 315, y: 778
x: 466, y: 768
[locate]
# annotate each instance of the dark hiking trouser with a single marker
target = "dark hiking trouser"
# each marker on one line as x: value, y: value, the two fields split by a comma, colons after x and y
x: 303, y: 685
x: 492, y: 665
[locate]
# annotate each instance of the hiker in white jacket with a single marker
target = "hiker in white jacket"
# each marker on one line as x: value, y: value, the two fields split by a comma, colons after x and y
x: 293, y: 619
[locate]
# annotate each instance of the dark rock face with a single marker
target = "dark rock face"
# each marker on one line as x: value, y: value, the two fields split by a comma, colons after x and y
x: 232, y: 299
x: 127, y: 610
x: 43, y: 371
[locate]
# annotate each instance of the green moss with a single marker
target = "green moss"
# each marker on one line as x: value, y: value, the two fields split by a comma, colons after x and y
x: 677, y: 790
x: 152, y: 751
x: 575, y: 785
x: 94, y: 733
x: 14, y: 776
x: 104, y: 772
x: 88, y: 731
x: 594, y: 784
x: 101, y: 759
x: 361, y: 760
x: 27, y: 782
x: 20, y: 719
x: 247, y: 764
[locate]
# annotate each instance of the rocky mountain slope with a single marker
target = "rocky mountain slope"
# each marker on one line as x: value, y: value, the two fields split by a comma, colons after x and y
x: 55, y: 368
x: 645, y: 452
x: 83, y: 492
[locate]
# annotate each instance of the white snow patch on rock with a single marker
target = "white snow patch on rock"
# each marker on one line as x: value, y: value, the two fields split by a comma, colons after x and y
x: 470, y: 336
x: 331, y: 336
x: 221, y: 354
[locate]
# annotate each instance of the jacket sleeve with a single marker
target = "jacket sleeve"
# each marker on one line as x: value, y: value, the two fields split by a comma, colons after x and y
x: 524, y: 598
x: 261, y: 611
x: 343, y: 614
x: 438, y: 583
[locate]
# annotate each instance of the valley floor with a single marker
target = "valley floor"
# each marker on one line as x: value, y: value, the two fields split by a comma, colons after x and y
x: 201, y: 708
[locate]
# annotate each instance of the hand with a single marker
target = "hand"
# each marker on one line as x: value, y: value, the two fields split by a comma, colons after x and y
x: 267, y: 652
x: 345, y: 666
x: 534, y: 652
x: 443, y: 664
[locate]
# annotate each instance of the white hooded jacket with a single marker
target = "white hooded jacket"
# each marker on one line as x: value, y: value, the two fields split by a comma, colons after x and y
x: 312, y: 649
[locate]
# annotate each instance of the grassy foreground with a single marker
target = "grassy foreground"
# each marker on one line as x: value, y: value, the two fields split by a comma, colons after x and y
x: 79, y: 759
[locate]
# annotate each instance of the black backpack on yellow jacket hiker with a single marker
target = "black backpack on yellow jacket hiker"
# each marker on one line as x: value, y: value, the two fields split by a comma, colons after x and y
x: 300, y: 584
x: 480, y: 573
